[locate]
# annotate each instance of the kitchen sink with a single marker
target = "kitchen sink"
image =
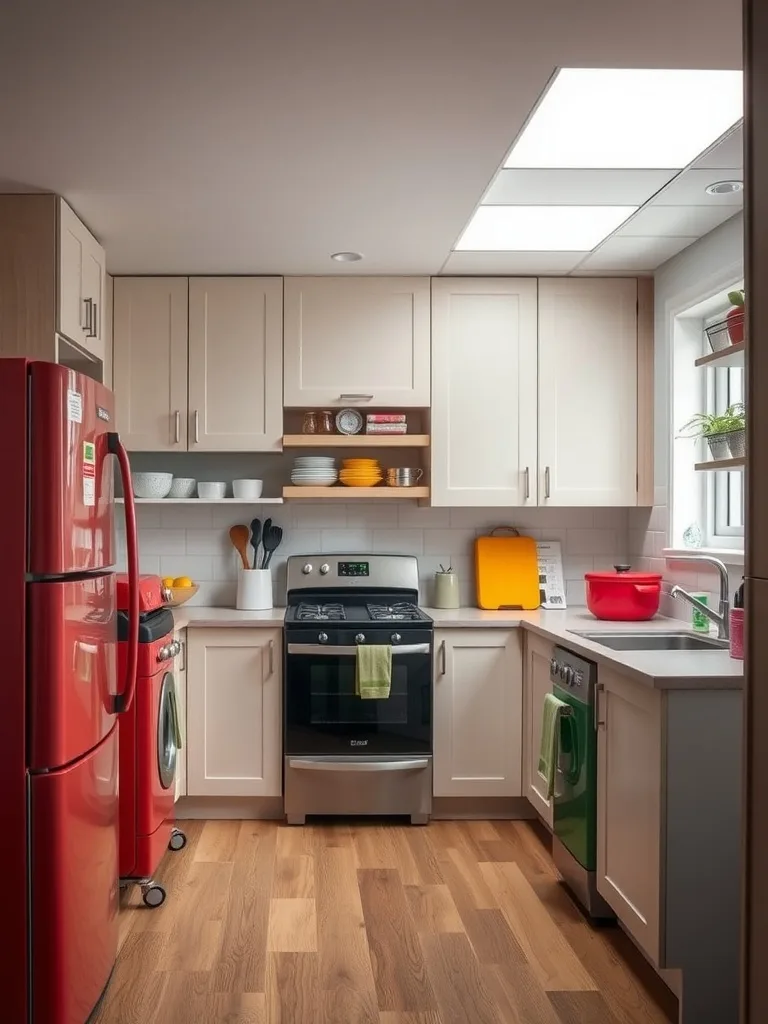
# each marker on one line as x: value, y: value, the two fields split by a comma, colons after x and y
x: 678, y: 641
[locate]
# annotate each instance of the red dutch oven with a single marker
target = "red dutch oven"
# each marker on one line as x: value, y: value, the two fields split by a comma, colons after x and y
x: 623, y: 596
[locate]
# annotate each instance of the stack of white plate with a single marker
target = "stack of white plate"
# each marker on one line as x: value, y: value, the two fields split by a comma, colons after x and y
x: 314, y: 471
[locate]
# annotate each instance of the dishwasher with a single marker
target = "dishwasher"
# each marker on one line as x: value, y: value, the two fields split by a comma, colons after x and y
x: 574, y: 845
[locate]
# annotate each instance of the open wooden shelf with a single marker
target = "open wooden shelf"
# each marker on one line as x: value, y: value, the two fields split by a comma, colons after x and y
x: 731, y: 356
x: 720, y: 464
x: 356, y: 441
x: 342, y: 493
x: 203, y: 501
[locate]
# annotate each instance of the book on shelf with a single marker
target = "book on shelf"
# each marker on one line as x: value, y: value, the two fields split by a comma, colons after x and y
x: 385, y: 417
x: 386, y: 428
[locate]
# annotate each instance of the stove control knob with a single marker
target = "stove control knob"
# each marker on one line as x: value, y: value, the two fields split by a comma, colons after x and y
x: 163, y: 654
x: 563, y: 671
x: 554, y: 667
x: 360, y: 638
x: 395, y: 638
x: 322, y: 638
x: 569, y: 675
x: 325, y: 569
x: 306, y: 569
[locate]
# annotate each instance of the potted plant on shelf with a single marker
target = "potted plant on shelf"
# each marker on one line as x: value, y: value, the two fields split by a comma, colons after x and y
x: 734, y: 318
x: 724, y: 432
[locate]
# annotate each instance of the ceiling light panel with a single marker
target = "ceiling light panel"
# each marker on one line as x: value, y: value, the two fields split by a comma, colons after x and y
x: 600, y: 117
x: 541, y: 228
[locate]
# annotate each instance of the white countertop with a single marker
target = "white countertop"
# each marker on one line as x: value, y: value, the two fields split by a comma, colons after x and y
x: 660, y: 669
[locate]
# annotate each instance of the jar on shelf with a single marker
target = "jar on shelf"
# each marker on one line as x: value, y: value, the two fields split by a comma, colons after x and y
x: 325, y: 422
x: 309, y: 426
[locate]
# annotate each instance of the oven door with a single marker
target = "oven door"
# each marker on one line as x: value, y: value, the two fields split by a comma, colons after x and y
x: 323, y: 715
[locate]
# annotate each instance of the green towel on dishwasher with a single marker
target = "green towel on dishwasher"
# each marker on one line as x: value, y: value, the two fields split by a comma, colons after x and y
x: 550, y: 730
x: 373, y: 676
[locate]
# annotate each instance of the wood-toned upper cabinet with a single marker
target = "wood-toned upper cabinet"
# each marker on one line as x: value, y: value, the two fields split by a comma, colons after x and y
x: 359, y: 341
x: 629, y: 807
x: 235, y: 363
x: 82, y: 284
x: 150, y: 362
x: 588, y: 382
x: 536, y: 685
x: 484, y: 380
x: 478, y: 713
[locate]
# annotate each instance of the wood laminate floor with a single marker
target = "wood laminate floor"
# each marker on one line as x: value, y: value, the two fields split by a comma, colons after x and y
x: 453, y: 923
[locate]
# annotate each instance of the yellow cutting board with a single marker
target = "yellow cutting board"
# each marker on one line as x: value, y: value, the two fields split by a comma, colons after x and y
x: 507, y: 572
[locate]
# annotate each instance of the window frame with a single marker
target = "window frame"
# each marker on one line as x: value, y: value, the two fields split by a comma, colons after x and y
x: 718, y: 533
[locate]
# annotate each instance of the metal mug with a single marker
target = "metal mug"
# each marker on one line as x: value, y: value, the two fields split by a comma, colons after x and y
x: 404, y: 477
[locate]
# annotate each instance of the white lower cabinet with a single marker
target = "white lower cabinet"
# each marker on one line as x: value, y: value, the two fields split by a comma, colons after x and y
x: 233, y: 712
x: 536, y: 685
x: 478, y: 712
x: 629, y: 805
x: 180, y: 679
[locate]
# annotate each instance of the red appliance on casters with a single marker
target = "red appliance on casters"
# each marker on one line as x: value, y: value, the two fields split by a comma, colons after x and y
x: 60, y: 696
x: 150, y: 740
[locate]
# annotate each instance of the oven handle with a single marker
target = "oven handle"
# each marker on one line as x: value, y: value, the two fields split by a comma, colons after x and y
x: 359, y: 766
x: 332, y: 651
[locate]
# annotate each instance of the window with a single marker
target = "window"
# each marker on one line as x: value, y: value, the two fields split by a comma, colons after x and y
x: 725, y: 491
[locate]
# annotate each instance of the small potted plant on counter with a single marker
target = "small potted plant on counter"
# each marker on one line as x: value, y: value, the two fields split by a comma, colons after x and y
x: 735, y: 317
x: 717, y: 430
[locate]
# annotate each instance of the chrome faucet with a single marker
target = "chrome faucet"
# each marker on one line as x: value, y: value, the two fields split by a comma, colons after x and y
x: 719, y: 617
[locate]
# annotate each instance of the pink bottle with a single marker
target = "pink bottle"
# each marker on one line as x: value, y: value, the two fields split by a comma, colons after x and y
x: 736, y: 630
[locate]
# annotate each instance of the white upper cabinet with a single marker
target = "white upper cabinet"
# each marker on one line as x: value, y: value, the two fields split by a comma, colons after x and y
x: 358, y: 341
x: 150, y: 362
x: 588, y: 391
x: 235, y: 363
x: 82, y: 284
x: 484, y: 380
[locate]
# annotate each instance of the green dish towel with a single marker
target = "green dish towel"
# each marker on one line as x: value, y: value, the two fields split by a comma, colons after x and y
x: 550, y: 729
x: 373, y: 677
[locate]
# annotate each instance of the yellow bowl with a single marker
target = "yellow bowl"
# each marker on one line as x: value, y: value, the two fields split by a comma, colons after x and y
x: 180, y: 595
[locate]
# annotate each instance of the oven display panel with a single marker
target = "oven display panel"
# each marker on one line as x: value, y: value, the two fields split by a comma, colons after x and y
x: 354, y: 569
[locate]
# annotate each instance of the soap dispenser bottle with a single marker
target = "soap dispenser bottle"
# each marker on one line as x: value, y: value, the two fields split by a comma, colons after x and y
x: 736, y: 631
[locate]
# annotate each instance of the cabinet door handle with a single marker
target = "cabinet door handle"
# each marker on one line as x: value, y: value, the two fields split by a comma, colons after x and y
x: 546, y: 482
x: 356, y: 398
x: 197, y: 426
x: 177, y: 426
x: 88, y: 303
x: 598, y: 690
x: 527, y: 483
x: 183, y: 656
x: 95, y: 321
x: 271, y: 658
x: 442, y: 658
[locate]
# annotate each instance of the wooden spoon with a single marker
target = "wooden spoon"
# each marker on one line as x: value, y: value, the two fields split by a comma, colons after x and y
x: 240, y: 535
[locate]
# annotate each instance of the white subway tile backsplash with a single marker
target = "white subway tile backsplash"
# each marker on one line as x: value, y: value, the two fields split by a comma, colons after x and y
x: 193, y: 540
x: 575, y: 592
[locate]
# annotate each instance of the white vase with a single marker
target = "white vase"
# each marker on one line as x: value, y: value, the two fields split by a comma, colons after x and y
x: 254, y: 589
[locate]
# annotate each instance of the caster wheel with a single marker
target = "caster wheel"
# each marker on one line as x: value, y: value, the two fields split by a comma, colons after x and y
x: 153, y: 895
x: 178, y: 840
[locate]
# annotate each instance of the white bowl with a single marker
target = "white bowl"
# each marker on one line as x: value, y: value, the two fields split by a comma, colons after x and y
x: 248, y: 490
x: 211, y: 490
x: 182, y: 487
x: 151, y: 485
x: 313, y: 483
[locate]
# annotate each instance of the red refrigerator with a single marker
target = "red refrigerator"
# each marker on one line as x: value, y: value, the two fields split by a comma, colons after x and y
x: 61, y: 697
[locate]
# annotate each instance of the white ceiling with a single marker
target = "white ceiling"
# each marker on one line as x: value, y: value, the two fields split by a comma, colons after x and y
x: 254, y: 137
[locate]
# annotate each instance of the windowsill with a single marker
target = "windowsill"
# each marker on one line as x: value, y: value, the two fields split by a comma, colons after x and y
x: 731, y: 556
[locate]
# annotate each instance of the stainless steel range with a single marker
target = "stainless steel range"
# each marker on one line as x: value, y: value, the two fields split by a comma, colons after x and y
x: 343, y: 754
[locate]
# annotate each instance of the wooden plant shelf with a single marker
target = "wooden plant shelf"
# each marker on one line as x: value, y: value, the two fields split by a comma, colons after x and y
x: 731, y: 356
x: 203, y: 501
x: 356, y: 441
x: 341, y: 493
x: 720, y: 464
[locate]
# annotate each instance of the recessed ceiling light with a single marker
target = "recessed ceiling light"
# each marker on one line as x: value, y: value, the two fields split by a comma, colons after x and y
x: 602, y: 117
x: 541, y: 228
x: 724, y: 188
x: 346, y: 257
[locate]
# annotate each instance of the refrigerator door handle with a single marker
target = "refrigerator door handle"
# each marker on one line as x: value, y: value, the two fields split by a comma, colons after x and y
x: 124, y: 699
